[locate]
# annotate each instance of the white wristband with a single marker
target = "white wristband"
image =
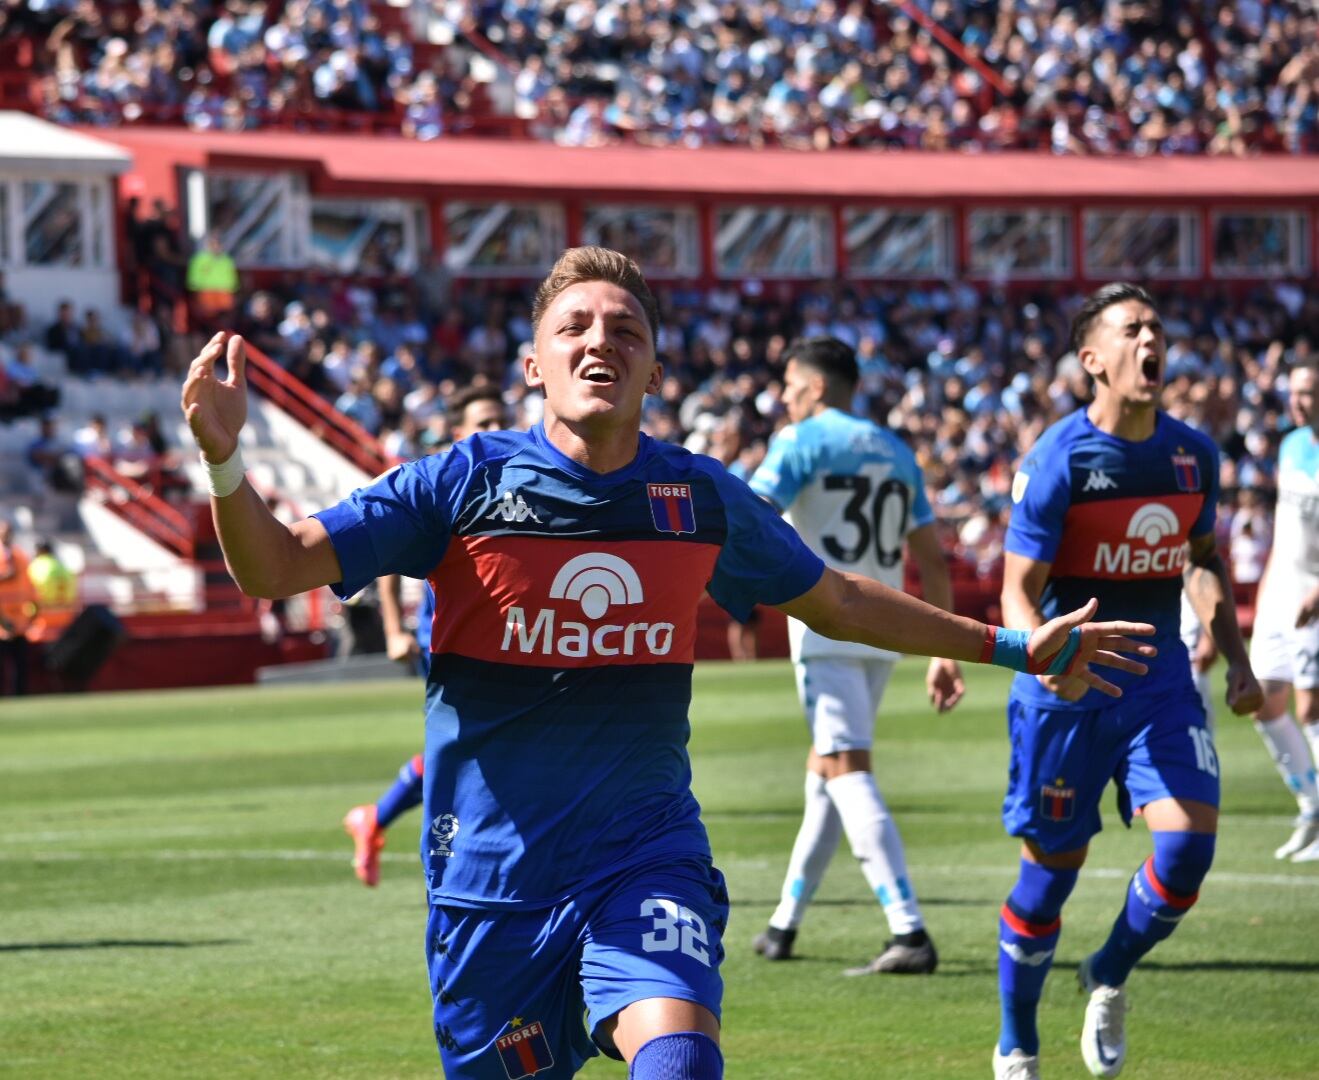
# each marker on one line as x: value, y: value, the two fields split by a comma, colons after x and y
x: 223, y: 479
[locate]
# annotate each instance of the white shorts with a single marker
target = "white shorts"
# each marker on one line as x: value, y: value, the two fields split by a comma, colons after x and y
x: 1279, y: 652
x: 841, y: 697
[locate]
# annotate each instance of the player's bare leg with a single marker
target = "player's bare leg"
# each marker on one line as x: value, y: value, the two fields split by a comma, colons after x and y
x: 667, y: 1038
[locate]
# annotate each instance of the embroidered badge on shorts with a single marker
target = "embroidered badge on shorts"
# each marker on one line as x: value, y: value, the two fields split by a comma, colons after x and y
x: 1057, y: 803
x: 525, y: 1050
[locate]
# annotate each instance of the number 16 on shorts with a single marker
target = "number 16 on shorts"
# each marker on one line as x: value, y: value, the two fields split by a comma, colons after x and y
x: 674, y: 928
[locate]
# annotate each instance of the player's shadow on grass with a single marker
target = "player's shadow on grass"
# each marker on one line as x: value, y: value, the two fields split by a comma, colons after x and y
x: 868, y: 902
x: 113, y: 943
x: 1292, y: 967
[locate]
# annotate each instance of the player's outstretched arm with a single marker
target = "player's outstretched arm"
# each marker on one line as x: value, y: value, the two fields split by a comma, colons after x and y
x: 265, y: 557
x: 1210, y: 592
x: 852, y: 608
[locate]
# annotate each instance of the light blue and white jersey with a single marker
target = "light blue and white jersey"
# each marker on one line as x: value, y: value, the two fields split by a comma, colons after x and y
x: 1296, y: 524
x: 853, y: 491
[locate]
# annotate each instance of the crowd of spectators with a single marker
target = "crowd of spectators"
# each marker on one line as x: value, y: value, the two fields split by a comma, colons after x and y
x: 970, y: 377
x: 1087, y: 76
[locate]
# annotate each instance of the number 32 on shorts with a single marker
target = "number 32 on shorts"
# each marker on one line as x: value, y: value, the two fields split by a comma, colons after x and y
x: 674, y: 927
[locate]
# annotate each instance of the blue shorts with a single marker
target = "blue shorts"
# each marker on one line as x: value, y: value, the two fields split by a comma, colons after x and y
x: 1154, y: 746
x: 511, y: 987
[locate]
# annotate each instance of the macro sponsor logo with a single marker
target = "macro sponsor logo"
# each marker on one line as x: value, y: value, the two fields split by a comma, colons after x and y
x: 1151, y: 524
x: 596, y: 582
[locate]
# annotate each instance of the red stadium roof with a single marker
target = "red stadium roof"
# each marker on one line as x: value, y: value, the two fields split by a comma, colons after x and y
x: 502, y: 168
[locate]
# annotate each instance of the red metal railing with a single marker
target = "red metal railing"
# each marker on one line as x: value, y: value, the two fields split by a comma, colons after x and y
x: 991, y: 77
x: 311, y: 410
x: 141, y: 507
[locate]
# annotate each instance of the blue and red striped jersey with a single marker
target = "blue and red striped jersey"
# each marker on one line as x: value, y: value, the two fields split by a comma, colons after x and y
x: 1112, y: 518
x: 562, y: 648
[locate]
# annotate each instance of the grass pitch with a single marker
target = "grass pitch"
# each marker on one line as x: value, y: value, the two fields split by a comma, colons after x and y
x: 176, y: 900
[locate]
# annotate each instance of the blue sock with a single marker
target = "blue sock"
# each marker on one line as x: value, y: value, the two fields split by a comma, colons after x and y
x: 1029, y: 926
x: 1160, y: 893
x: 684, y: 1055
x: 403, y: 794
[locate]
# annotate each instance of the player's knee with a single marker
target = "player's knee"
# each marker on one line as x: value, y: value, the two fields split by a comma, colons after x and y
x: 681, y: 1055
x: 1041, y: 891
x: 1182, y: 860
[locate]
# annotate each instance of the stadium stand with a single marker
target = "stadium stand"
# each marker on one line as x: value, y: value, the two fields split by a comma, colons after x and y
x: 1145, y: 78
x: 372, y: 300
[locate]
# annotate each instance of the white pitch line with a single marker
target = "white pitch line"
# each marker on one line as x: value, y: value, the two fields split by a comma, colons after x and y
x: 1226, y: 877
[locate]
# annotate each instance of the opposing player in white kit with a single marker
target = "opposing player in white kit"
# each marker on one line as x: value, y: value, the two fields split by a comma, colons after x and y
x: 855, y: 494
x: 1284, y: 651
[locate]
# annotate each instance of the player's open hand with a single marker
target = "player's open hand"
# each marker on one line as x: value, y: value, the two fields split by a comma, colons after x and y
x: 216, y: 411
x: 1099, y: 643
x: 944, y: 684
x: 1244, y: 695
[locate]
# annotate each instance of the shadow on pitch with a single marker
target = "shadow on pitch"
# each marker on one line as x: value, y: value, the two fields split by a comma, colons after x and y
x: 112, y: 943
x: 1288, y: 967
x: 867, y: 902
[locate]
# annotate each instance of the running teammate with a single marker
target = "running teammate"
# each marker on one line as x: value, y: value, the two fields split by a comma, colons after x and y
x: 1106, y: 504
x: 568, y: 872
x: 855, y: 494
x: 473, y: 409
x: 1285, y: 647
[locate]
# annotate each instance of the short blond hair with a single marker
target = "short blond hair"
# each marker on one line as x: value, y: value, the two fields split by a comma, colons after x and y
x: 581, y: 264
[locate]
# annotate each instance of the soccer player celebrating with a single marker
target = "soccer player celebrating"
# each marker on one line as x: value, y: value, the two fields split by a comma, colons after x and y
x: 568, y: 872
x: 1106, y: 504
x: 855, y: 494
x: 473, y: 409
x: 1284, y: 650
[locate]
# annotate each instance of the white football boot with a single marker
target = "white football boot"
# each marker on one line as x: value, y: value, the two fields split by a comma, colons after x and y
x: 1017, y: 1065
x: 1103, y: 1035
x: 1304, y: 835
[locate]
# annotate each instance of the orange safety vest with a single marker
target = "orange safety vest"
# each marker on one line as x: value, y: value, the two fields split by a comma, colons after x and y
x: 18, y: 600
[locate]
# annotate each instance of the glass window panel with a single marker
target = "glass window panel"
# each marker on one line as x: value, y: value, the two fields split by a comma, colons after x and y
x: 663, y: 240
x: 366, y: 237
x: 52, y: 223
x: 1008, y: 244
x: 898, y: 243
x: 1142, y: 244
x: 522, y: 239
x: 773, y: 241
x: 1261, y: 243
x: 252, y: 215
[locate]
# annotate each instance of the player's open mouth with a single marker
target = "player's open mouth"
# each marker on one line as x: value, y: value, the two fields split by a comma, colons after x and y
x: 600, y: 373
x: 1149, y: 368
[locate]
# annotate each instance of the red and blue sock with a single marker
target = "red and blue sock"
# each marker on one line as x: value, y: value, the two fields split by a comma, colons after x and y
x: 1029, y: 926
x: 1160, y: 893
